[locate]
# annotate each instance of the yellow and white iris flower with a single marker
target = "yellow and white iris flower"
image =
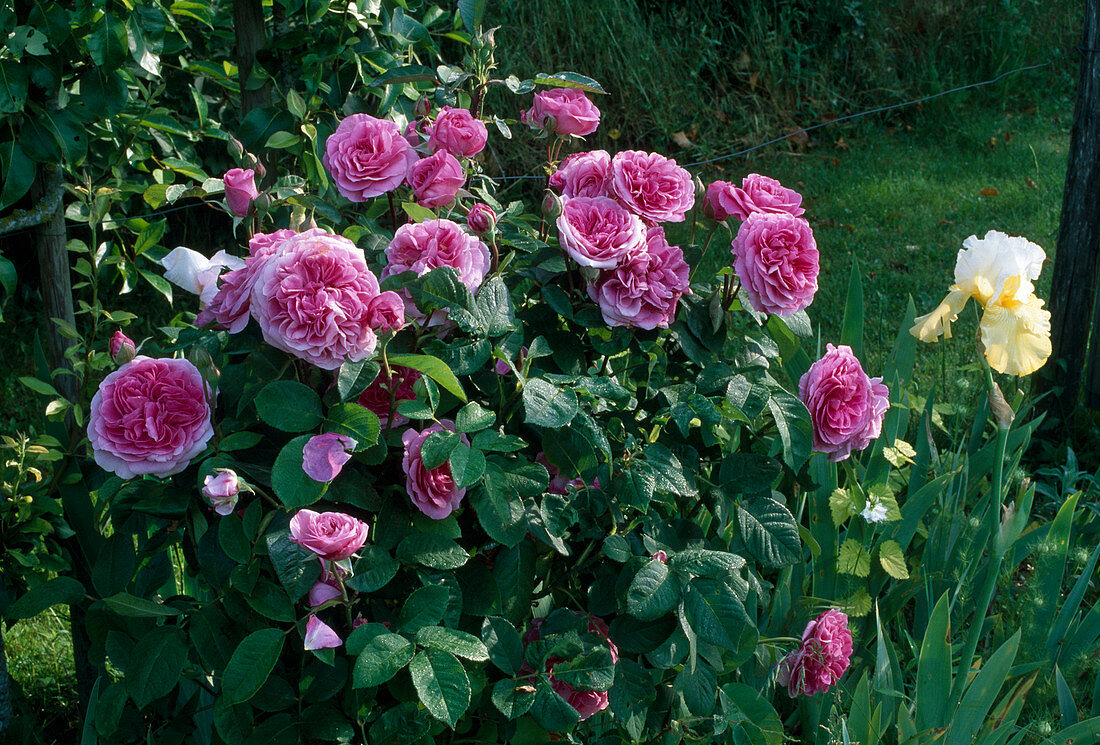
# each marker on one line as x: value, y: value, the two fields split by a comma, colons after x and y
x: 998, y: 271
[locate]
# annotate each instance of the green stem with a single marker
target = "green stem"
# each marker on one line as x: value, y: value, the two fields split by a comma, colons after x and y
x: 706, y: 247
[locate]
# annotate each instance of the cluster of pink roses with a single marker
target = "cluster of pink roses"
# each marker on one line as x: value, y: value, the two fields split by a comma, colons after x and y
x: 586, y: 703
x: 774, y: 251
x: 822, y: 657
x: 612, y: 207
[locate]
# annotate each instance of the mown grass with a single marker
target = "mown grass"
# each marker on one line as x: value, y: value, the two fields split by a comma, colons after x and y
x: 40, y: 662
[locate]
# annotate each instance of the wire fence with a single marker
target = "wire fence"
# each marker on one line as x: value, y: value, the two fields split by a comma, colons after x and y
x: 727, y: 156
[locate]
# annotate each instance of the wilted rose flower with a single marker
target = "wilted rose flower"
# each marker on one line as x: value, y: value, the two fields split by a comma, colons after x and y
x: 386, y: 312
x: 325, y: 589
x: 333, y: 536
x: 586, y: 703
x: 240, y: 190
x: 312, y: 299
x: 776, y: 259
x: 367, y: 157
x: 568, y: 108
x: 320, y: 635
x: 325, y: 455
x: 458, y: 132
x: 584, y: 175
x: 598, y: 232
x: 421, y: 247
x: 376, y: 396
x: 221, y: 489
x: 643, y: 290
x: 846, y: 407
x: 433, y: 491
x: 195, y: 273
x: 823, y: 657
x: 435, y: 180
x: 150, y: 416
x: 122, y: 348
x: 756, y: 194
x: 652, y: 186
x: 230, y: 306
x: 481, y: 219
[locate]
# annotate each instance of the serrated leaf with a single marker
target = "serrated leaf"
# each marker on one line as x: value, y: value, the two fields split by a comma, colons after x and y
x: 714, y: 612
x: 251, y: 664
x: 513, y: 698
x: 382, y: 658
x: 441, y: 684
x: 547, y: 405
x: 853, y: 559
x: 431, y: 550
x: 770, y: 532
x: 458, y: 643
x: 434, y: 368
x: 892, y: 559
x: 289, y: 406
x: 504, y: 644
x: 568, y: 80
x: 653, y: 592
x: 841, y: 506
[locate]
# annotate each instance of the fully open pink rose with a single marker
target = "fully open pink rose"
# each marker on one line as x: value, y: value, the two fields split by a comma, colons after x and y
x: 376, y: 396
x: 570, y: 112
x: 230, y: 306
x: 584, y: 175
x: 325, y: 455
x: 367, y: 157
x: 481, y: 219
x: 776, y: 259
x: 652, y: 186
x: 149, y: 417
x: 821, y: 659
x: 333, y: 536
x: 435, y: 180
x: 386, y: 312
x: 312, y: 299
x: 433, y: 491
x: 221, y: 490
x: 319, y: 635
x: 458, y: 132
x: 599, y: 232
x: 421, y: 247
x: 845, y: 405
x: 756, y: 194
x: 240, y: 190
x: 644, y: 289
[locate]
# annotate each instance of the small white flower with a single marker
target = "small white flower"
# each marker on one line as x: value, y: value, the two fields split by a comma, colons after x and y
x: 874, y: 512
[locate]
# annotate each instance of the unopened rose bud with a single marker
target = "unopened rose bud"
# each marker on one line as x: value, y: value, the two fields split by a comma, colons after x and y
x: 221, y: 489
x: 1002, y: 412
x: 550, y: 123
x: 661, y: 556
x: 700, y: 188
x: 481, y: 219
x: 263, y: 203
x: 551, y: 205
x: 423, y: 107
x: 236, y: 149
x: 122, y: 348
x: 240, y: 190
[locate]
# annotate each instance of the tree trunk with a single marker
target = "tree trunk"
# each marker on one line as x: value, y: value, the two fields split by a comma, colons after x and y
x: 7, y: 713
x: 248, y: 24
x: 57, y: 288
x: 1073, y: 290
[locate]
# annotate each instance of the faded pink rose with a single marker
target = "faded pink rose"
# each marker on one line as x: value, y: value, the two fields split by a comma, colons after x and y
x: 150, y: 417
x: 421, y: 247
x: 221, y: 490
x: 230, y: 306
x: 319, y: 635
x: 584, y: 175
x: 481, y: 219
x: 776, y: 258
x: 821, y: 659
x: 190, y: 270
x: 333, y: 536
x: 324, y: 456
x: 386, y: 312
x: 570, y: 110
x: 312, y: 299
x: 586, y: 703
x: 652, y: 186
x: 756, y: 194
x: 435, y: 180
x: 643, y: 290
x: 846, y: 406
x: 122, y: 348
x: 598, y: 232
x: 367, y: 157
x: 240, y: 190
x: 376, y: 396
x: 458, y: 132
x: 432, y: 491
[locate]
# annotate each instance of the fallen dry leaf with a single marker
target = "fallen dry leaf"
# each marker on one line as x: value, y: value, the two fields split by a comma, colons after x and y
x: 989, y: 191
x: 841, y: 144
x: 681, y: 139
x: 1030, y: 182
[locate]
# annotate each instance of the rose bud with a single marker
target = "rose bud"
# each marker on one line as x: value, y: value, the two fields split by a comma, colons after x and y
x: 481, y: 219
x: 423, y: 107
x: 221, y: 489
x: 236, y: 149
x: 551, y: 205
x: 122, y: 348
x: 240, y: 190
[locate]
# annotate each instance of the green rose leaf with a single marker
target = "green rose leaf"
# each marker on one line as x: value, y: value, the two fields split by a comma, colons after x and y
x: 458, y: 643
x: 441, y: 684
x: 291, y: 484
x: 770, y: 532
x: 251, y: 664
x: 289, y: 406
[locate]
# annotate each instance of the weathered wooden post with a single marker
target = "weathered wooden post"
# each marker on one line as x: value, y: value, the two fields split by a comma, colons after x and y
x: 248, y: 25
x: 1073, y: 289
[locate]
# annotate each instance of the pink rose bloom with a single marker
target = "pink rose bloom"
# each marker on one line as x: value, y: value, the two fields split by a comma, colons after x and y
x: 756, y: 194
x: 586, y: 703
x: 776, y: 258
x: 221, y: 490
x: 432, y: 491
x: 572, y: 112
x: 386, y: 312
x: 823, y: 657
x: 150, y: 416
x: 414, y: 129
x: 652, y: 186
x: 122, y: 348
x: 333, y: 536
x: 421, y: 247
x: 584, y: 175
x: 325, y: 455
x: 599, y: 232
x: 240, y: 190
x: 644, y: 289
x: 458, y: 132
x: 312, y: 299
x: 435, y: 180
x: 660, y: 556
x: 481, y: 219
x: 376, y: 396
x: 367, y: 157
x: 845, y: 405
x: 320, y: 635
x: 558, y: 484
x: 324, y: 590
x: 230, y: 306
